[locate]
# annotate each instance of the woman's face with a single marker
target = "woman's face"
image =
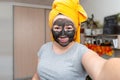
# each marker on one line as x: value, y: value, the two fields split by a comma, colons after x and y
x: 63, y: 31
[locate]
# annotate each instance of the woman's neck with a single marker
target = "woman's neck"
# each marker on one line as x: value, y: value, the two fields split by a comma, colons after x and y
x: 58, y: 49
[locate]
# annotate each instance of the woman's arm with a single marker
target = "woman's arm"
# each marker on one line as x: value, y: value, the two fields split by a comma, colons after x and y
x: 93, y: 64
x: 100, y: 69
x: 36, y: 77
x: 111, y: 70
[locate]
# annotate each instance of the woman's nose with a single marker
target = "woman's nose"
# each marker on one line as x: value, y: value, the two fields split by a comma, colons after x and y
x: 63, y: 33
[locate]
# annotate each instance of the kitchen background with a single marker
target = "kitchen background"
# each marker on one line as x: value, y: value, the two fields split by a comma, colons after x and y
x: 18, y: 58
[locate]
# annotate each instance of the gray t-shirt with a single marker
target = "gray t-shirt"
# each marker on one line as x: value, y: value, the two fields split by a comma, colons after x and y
x: 67, y: 66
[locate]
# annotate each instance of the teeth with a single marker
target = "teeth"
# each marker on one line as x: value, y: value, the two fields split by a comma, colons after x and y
x: 63, y: 39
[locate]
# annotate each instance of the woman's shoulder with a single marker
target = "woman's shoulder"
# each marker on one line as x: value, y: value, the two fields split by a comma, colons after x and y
x: 47, y: 44
x: 81, y: 49
x: 79, y: 45
x: 44, y: 47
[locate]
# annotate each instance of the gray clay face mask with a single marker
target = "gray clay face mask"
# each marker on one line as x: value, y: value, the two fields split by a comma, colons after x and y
x: 63, y: 31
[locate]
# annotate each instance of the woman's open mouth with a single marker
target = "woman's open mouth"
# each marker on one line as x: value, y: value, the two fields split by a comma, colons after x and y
x: 63, y: 39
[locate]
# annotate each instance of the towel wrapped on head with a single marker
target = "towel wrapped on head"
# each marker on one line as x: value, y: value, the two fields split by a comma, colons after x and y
x: 71, y: 9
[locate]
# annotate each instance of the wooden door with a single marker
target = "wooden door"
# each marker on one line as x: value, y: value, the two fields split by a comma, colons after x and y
x: 48, y: 31
x: 29, y: 35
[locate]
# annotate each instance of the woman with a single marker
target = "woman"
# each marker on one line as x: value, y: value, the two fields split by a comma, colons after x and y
x: 65, y: 58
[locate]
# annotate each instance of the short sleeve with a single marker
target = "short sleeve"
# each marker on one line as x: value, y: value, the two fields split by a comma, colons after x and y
x: 43, y: 48
x: 83, y: 50
x: 40, y: 51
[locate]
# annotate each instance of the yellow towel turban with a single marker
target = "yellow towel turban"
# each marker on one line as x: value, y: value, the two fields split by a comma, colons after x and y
x: 71, y: 9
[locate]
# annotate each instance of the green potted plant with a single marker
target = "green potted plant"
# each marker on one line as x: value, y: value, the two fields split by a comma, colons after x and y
x: 93, y: 27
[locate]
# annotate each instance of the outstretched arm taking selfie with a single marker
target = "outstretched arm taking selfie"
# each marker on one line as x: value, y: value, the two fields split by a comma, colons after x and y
x: 110, y: 70
x: 100, y: 69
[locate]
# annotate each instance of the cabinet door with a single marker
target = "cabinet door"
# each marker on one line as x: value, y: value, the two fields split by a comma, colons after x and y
x: 29, y: 35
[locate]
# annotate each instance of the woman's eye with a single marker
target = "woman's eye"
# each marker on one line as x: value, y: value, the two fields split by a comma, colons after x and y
x: 57, y: 28
x: 68, y: 28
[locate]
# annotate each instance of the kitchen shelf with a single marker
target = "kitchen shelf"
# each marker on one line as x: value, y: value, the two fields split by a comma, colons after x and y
x: 114, y: 39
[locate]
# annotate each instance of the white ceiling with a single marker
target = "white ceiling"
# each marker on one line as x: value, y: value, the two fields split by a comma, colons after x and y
x: 38, y: 2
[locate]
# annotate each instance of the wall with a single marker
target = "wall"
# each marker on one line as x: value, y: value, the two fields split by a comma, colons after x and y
x: 6, y: 41
x: 101, y: 8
